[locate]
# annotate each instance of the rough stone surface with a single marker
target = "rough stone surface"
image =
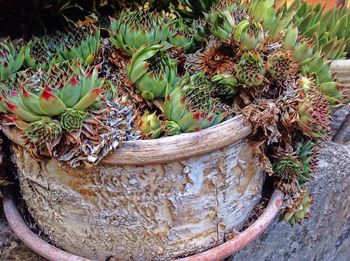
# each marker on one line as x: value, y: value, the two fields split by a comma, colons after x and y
x: 338, y: 118
x: 326, y: 236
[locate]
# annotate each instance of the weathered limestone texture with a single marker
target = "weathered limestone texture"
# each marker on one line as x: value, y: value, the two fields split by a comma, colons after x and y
x: 142, y: 212
x: 326, y: 236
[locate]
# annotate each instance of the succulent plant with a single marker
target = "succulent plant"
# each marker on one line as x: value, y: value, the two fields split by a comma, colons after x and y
x: 80, y: 45
x: 308, y: 155
x: 330, y: 29
x: 152, y: 71
x: 263, y: 12
x: 10, y: 59
x: 181, y: 35
x: 135, y: 28
x: 225, y: 86
x: 319, y: 67
x: 151, y: 125
x: 101, y: 133
x: 244, y: 57
x: 72, y: 120
x: 281, y: 64
x: 290, y: 37
x: 39, y: 132
x: 287, y: 172
x: 294, y: 171
x: 189, y: 106
x: 272, y: 21
x: 221, y: 22
x: 299, y: 209
x: 195, y: 8
x: 38, y: 54
x: 65, y: 113
x: 250, y: 70
x: 249, y: 34
x: 314, y: 113
x: 65, y: 93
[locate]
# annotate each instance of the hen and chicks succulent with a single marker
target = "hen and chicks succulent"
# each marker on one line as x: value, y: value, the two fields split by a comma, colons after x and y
x: 187, y: 75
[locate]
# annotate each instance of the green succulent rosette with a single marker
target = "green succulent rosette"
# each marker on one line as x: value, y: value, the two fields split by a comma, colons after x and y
x: 189, y: 106
x: 72, y: 120
x: 181, y: 35
x: 152, y: 71
x: 280, y: 65
x: 314, y: 112
x: 85, y: 50
x: 221, y: 22
x: 288, y: 168
x: 151, y: 125
x: 38, y: 55
x: 329, y: 29
x: 308, y: 156
x: 249, y: 34
x: 58, y: 100
x: 133, y: 29
x: 250, y: 70
x: 225, y: 86
x: 171, y: 128
x: 44, y: 130
x: 299, y: 209
x: 10, y: 59
x: 315, y: 65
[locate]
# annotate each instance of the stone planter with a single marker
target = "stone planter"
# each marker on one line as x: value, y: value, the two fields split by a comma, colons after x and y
x: 220, y: 252
x: 149, y: 200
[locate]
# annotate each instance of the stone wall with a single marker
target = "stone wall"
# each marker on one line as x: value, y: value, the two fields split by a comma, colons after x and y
x: 326, y: 236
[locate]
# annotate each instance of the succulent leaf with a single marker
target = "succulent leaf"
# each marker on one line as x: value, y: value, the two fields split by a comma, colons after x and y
x: 222, y: 22
x: 151, y: 125
x: 249, y: 34
x: 225, y: 85
x: 280, y: 65
x: 10, y: 59
x: 250, y: 70
x: 190, y: 107
x: 50, y: 104
x: 314, y: 113
x: 152, y: 71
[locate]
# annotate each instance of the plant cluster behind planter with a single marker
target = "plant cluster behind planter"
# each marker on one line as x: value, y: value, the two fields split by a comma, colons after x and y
x: 79, y: 108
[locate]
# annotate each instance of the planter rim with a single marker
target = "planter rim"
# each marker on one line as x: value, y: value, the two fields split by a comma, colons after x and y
x: 220, y: 252
x: 342, y: 64
x: 171, y: 149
